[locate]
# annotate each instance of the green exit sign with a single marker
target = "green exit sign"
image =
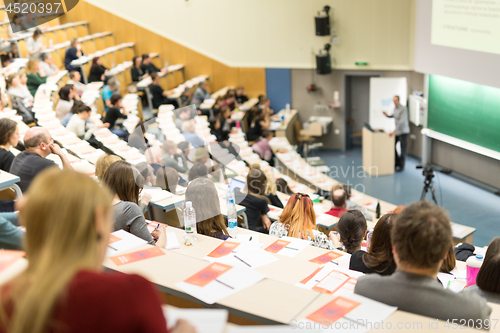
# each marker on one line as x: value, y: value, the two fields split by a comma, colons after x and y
x: 361, y: 63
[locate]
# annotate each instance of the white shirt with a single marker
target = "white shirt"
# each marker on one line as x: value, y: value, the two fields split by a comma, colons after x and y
x: 80, y: 127
x: 48, y: 69
x: 32, y: 46
x: 22, y: 92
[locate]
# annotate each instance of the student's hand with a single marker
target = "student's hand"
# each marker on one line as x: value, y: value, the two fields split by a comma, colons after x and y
x: 146, y: 198
x: 183, y: 326
x: 267, y: 222
x: 55, y: 149
x: 335, y: 238
x: 385, y: 113
x: 160, y: 236
x: 199, y: 112
x: 178, y: 151
x: 392, y: 133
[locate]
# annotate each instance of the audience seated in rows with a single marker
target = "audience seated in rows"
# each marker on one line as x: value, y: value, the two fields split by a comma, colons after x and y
x: 174, y: 157
x: 183, y: 115
x: 16, y: 88
x: 262, y: 147
x: 282, y: 186
x: 109, y: 90
x: 126, y: 183
x: 11, y: 237
x: 34, y: 45
x: 114, y: 113
x: 47, y: 64
x: 421, y: 237
x: 74, y: 79
x: 9, y: 137
x: 97, y: 71
x: 339, y: 198
x: 72, y: 53
x: 209, y: 220
x: 240, y: 95
x: 66, y: 101
x: 258, y: 125
x: 271, y: 190
x: 147, y: 65
x: 167, y: 179
x: 29, y: 163
x: 201, y: 94
x: 298, y: 220
x: 352, y: 230
x: 255, y: 201
x: 189, y: 133
x: 378, y: 259
x: 160, y: 96
x: 65, y: 267
x: 36, y: 76
x: 80, y: 125
x: 349, y: 204
x: 137, y: 72
x: 103, y: 163
x: 488, y: 279
x: 450, y: 262
x: 198, y: 170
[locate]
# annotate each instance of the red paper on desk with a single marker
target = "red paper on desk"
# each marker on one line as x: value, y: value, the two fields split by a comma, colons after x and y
x: 8, y: 257
x: 277, y: 246
x: 113, y: 238
x: 137, y: 256
x: 208, y: 274
x: 307, y: 279
x: 334, y: 310
x: 327, y: 257
x: 223, y: 250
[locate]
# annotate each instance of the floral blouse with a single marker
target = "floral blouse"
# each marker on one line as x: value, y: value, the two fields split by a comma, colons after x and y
x: 320, y: 239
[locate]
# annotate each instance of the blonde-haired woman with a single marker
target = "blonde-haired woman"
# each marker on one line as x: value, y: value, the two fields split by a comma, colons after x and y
x: 271, y: 190
x: 64, y: 289
x: 299, y: 220
x: 35, y: 75
x: 103, y: 164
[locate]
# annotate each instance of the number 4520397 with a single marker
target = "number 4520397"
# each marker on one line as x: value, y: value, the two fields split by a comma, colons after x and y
x: 33, y: 8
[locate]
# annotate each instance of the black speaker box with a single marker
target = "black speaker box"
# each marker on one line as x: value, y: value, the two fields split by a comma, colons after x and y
x: 322, y: 25
x: 323, y: 63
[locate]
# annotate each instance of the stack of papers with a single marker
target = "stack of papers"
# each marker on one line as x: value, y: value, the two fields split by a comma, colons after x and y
x: 330, y: 279
x: 203, y: 320
x: 351, y: 313
x: 120, y: 241
x: 217, y: 281
x: 288, y: 246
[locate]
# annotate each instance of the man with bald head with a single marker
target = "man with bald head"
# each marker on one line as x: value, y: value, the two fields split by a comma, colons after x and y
x: 339, y: 198
x: 32, y: 161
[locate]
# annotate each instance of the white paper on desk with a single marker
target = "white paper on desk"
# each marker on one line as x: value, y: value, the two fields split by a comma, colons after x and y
x: 457, y: 229
x: 249, y: 259
x: 172, y: 242
x: 218, y: 289
x: 321, y: 218
x: 296, y: 245
x: 460, y: 274
x: 371, y: 206
x: 360, y: 319
x: 127, y: 242
x: 330, y: 277
x: 203, y: 320
x: 270, y: 329
x: 157, y: 194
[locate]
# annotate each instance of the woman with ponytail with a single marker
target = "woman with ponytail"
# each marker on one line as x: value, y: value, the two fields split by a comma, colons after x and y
x: 299, y: 220
x: 352, y: 230
x: 68, y: 219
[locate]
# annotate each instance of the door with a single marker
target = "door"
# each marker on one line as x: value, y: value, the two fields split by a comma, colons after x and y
x: 357, y: 108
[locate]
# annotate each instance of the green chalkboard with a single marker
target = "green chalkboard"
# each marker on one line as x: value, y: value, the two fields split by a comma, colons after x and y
x: 464, y: 110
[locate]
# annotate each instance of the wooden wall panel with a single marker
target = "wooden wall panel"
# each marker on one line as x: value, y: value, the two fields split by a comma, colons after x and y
x: 254, y: 80
x: 221, y: 75
x: 224, y: 76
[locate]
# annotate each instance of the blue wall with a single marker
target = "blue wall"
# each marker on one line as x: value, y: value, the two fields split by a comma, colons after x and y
x: 278, y: 87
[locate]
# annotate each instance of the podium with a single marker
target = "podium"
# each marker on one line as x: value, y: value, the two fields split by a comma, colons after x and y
x: 378, y: 153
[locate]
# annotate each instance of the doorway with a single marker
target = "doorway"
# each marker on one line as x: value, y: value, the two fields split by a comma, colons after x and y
x: 357, y: 108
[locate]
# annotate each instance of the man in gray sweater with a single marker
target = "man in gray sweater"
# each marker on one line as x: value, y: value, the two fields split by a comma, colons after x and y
x: 400, y: 115
x: 421, y: 237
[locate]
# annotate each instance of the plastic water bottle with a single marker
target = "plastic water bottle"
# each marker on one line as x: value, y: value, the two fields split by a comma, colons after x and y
x: 190, y: 220
x: 232, y: 218
x: 473, y: 263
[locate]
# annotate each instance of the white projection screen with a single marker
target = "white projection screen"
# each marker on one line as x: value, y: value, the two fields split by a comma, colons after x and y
x: 459, y: 39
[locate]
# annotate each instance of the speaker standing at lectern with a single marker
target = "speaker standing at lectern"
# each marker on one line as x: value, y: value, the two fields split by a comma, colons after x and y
x: 400, y: 114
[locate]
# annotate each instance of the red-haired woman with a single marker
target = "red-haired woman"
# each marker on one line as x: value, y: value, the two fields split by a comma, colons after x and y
x: 299, y: 220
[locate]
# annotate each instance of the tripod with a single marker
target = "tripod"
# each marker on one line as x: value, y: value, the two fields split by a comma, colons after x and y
x: 428, y: 187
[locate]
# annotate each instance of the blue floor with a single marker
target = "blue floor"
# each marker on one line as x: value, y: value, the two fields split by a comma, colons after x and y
x: 466, y: 203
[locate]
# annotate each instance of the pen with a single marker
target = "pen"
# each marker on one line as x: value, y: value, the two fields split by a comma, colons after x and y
x: 243, y: 261
x: 113, y: 248
x: 291, y: 248
x: 224, y: 284
x: 157, y: 226
x: 250, y: 238
x: 448, y: 286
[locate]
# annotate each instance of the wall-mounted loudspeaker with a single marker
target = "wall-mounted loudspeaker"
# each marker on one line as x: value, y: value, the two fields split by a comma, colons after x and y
x: 323, y: 61
x: 323, y: 23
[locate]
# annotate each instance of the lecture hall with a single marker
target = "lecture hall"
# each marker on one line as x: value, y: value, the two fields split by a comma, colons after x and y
x: 247, y: 166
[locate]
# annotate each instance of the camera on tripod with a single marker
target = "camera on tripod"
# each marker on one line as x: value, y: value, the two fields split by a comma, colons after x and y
x: 428, y: 172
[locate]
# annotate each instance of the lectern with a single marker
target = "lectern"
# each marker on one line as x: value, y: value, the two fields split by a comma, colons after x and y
x: 378, y: 153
